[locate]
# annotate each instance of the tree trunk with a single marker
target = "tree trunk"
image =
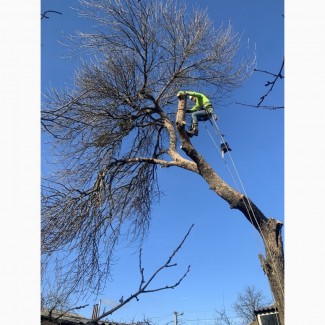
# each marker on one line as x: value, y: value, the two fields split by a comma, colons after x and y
x: 268, y: 228
x: 273, y: 265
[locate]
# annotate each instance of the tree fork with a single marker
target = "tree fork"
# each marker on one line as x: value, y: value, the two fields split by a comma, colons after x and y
x: 268, y: 228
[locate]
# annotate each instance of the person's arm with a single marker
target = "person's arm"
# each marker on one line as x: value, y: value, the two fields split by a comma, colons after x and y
x: 196, y: 106
x: 194, y: 93
x: 189, y: 93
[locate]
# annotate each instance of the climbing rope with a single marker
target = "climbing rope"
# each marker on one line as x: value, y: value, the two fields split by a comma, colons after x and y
x: 233, y: 178
x: 248, y: 206
x: 228, y: 168
x: 243, y: 188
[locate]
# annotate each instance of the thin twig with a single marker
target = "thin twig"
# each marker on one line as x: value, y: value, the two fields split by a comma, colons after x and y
x: 272, y: 83
x: 277, y: 76
x: 43, y: 15
x: 264, y: 107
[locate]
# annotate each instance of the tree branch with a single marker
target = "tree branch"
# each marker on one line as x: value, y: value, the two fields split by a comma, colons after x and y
x: 144, y: 284
x: 272, y: 83
x: 261, y: 106
x: 277, y: 76
x: 43, y: 15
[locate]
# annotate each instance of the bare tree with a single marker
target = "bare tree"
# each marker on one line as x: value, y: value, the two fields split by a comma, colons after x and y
x: 246, y: 303
x: 117, y: 125
x: 55, y: 299
x: 222, y: 317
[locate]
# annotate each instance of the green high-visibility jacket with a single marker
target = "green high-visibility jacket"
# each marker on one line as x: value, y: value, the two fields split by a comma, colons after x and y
x: 201, y: 103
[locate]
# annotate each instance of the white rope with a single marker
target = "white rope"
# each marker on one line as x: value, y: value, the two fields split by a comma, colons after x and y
x: 211, y: 117
x: 235, y: 182
x: 250, y: 207
x: 215, y: 144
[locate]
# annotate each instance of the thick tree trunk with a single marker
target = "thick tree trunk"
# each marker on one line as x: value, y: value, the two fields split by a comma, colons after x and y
x: 273, y: 265
x: 269, y: 229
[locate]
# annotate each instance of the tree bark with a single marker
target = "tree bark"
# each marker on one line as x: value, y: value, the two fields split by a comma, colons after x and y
x: 273, y: 265
x: 268, y: 228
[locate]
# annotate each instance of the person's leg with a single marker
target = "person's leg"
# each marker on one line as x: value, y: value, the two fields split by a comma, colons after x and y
x: 194, y: 130
x: 194, y: 118
x: 199, y: 116
x: 202, y: 115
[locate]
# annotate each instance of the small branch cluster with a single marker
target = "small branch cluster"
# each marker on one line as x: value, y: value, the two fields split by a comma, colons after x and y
x: 270, y: 84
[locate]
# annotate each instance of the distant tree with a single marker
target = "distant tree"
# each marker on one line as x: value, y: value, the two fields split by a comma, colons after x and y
x: 246, y: 303
x: 54, y: 300
x: 222, y: 318
x: 117, y: 125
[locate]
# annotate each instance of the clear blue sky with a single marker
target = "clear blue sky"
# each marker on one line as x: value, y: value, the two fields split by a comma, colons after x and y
x: 222, y: 248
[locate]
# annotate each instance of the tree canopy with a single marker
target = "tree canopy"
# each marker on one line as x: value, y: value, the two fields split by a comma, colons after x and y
x: 116, y: 123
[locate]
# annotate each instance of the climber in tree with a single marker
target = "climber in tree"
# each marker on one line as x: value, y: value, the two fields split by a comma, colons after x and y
x: 201, y: 111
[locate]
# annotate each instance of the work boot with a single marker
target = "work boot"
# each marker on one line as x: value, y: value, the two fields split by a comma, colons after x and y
x: 193, y: 130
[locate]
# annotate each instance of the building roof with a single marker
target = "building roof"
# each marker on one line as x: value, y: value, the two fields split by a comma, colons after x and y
x: 62, y: 318
x: 265, y: 310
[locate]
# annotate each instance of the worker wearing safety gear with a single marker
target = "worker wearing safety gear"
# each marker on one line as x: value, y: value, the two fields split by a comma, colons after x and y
x: 201, y: 111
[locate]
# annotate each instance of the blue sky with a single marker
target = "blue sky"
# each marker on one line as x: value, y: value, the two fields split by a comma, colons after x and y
x: 222, y: 248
